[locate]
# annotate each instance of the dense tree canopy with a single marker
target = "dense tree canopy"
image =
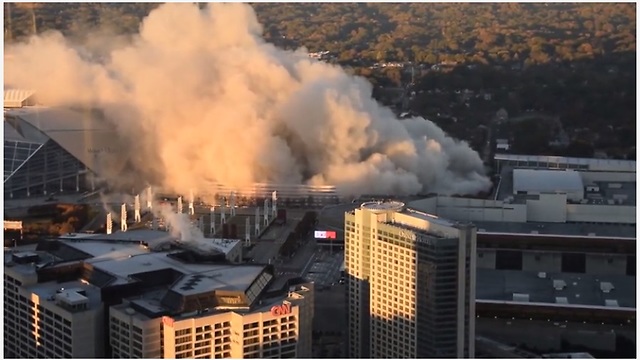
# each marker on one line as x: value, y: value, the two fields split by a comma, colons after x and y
x: 418, y: 32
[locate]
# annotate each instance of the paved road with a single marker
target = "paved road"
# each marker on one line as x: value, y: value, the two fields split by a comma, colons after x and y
x: 324, y: 268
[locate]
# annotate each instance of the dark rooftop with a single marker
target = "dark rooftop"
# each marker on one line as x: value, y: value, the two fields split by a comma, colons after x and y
x: 579, y: 289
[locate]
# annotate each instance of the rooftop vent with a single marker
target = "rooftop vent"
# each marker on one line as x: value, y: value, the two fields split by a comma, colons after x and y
x: 130, y: 311
x: 542, y: 275
x: 562, y: 300
x: 559, y: 284
x: 611, y: 303
x: 606, y: 287
x: 520, y: 297
x: 24, y: 257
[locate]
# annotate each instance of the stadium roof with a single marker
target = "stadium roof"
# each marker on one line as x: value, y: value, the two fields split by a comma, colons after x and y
x: 85, y: 135
x: 546, y: 181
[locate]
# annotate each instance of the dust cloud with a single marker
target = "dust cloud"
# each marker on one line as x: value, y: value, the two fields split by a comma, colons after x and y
x: 199, y: 97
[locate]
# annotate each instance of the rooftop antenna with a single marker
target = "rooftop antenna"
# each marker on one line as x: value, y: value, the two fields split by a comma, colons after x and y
x: 192, y: 210
x: 247, y: 231
x: 109, y: 223
x: 232, y: 204
x: 149, y: 198
x: 274, y: 208
x: 179, y: 204
x: 257, y: 221
x: 123, y: 217
x: 266, y: 212
x: 223, y: 218
x: 136, y: 209
x: 212, y: 223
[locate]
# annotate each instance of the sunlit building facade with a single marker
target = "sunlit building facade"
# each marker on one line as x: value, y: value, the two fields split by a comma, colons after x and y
x: 411, y: 286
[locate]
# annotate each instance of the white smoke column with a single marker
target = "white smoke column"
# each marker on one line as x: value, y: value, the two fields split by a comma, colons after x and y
x: 123, y: 217
x: 181, y: 228
x: 192, y: 210
x: 201, y: 98
x: 136, y: 209
x: 149, y: 198
x: 274, y: 205
x: 109, y: 225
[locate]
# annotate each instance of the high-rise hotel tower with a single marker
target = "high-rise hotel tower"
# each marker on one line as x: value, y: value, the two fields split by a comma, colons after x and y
x: 411, y: 287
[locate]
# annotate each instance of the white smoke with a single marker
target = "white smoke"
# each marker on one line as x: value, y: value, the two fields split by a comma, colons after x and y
x: 200, y: 97
x: 182, y: 229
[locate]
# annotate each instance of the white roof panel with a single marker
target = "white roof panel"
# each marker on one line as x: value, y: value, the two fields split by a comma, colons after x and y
x: 530, y: 180
x: 15, y: 97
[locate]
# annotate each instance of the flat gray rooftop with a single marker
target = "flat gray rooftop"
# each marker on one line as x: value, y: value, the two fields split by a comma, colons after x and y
x: 47, y: 290
x: 231, y: 278
x: 569, y: 229
x: 581, y: 289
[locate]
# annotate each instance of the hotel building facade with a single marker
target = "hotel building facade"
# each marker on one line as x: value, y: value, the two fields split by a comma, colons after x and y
x: 411, y: 287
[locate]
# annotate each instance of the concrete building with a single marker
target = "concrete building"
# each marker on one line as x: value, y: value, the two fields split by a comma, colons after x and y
x: 51, y: 320
x: 411, y: 283
x: 557, y: 243
x: 97, y: 298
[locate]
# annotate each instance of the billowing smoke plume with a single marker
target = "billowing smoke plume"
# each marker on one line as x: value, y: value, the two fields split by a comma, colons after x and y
x: 182, y: 229
x: 200, y: 97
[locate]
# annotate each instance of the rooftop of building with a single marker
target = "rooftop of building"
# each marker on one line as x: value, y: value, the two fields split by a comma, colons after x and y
x: 624, y: 231
x: 180, y: 283
x: 412, y: 219
x: 568, y: 355
x: 542, y: 161
x: 556, y: 288
x: 154, y: 239
x: 608, y: 192
x: 72, y: 291
x: 547, y: 180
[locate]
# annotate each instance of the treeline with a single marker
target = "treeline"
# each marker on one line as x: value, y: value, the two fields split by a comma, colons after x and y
x: 534, y: 33
x: 55, y: 219
x: 472, y: 32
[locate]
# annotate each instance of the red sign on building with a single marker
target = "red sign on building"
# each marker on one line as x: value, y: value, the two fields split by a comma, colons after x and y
x: 281, y: 310
x: 167, y: 321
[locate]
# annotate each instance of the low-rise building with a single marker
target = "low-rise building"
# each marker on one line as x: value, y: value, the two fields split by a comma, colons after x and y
x: 121, y: 299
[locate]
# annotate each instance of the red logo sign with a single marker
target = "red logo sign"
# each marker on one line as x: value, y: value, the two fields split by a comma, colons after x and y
x: 280, y: 310
x: 167, y: 321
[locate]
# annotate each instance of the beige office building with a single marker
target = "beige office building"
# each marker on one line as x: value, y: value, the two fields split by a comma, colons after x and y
x: 411, y: 287
x: 279, y: 329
